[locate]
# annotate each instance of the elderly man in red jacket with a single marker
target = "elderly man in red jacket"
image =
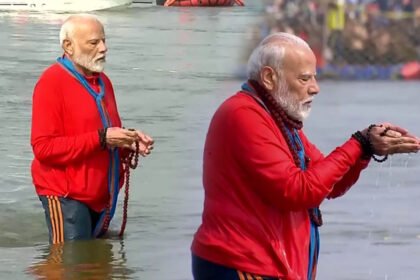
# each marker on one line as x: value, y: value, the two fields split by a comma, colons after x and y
x: 264, y: 180
x: 76, y: 136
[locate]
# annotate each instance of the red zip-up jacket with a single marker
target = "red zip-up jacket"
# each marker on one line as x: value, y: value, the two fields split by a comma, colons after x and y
x: 255, y: 216
x: 68, y: 160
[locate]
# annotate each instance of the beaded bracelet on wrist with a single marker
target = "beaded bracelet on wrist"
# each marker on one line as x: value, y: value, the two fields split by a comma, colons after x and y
x: 371, y: 146
x: 364, y: 142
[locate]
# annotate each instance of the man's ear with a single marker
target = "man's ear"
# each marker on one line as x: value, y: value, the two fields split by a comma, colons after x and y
x: 268, y: 78
x: 68, y: 47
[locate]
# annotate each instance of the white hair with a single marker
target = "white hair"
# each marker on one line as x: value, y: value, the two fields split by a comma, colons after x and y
x: 69, y: 25
x: 270, y: 52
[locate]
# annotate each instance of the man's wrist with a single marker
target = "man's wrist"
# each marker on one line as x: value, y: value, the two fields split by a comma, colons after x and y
x: 364, y: 143
x: 102, y: 137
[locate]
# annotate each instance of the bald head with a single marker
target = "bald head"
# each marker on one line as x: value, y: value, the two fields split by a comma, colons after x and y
x: 82, y: 38
x: 285, y: 39
x: 75, y: 22
x: 285, y: 66
x: 272, y: 52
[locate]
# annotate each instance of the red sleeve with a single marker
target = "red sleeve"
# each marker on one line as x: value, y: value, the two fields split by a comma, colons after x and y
x: 349, y: 179
x: 269, y: 165
x: 49, y: 144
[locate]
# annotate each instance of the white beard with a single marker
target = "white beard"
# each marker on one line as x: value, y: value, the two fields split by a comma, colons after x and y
x: 93, y: 65
x: 294, y: 108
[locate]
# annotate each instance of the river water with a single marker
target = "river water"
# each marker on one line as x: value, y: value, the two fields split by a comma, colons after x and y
x: 171, y: 68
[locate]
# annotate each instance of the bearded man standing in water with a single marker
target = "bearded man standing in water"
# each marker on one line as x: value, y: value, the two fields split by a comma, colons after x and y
x: 264, y: 180
x: 76, y: 136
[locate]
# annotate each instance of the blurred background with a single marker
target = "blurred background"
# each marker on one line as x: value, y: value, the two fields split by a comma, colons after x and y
x: 352, y: 39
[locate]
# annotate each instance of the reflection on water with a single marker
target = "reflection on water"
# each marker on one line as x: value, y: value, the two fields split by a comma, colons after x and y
x: 81, y: 260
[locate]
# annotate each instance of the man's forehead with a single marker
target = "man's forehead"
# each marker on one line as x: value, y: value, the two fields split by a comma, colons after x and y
x: 301, y: 63
x: 85, y: 28
x: 299, y: 55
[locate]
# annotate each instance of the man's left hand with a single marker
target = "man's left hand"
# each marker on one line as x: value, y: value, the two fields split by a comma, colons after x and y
x: 145, y: 143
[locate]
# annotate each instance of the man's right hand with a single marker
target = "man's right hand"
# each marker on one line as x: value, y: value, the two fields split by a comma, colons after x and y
x: 120, y: 137
x: 388, y: 139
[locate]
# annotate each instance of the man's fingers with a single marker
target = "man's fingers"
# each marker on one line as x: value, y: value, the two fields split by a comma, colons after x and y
x: 403, y: 140
x: 393, y: 133
x: 395, y: 128
x: 404, y: 148
x: 396, y: 134
x: 150, y: 139
x: 130, y: 133
x: 144, y: 150
x: 145, y: 138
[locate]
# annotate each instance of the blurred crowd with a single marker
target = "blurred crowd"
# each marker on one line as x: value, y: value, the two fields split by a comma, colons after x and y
x: 349, y: 32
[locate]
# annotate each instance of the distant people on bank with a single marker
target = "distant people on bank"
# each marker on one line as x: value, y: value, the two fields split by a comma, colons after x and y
x: 77, y: 139
x: 357, y: 33
x: 264, y: 181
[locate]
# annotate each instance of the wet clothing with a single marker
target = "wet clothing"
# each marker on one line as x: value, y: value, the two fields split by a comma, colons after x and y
x: 69, y: 161
x: 255, y: 216
x: 205, y: 270
x: 68, y: 219
x: 70, y: 164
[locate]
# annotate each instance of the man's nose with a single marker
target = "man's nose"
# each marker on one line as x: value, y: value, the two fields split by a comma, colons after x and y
x: 313, y: 88
x: 102, y: 47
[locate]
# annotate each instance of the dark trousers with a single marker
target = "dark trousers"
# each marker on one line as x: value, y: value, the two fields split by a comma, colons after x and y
x: 206, y: 270
x: 68, y: 219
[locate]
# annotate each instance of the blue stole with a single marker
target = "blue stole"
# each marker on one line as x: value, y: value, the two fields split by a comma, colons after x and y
x: 314, y: 243
x: 114, y: 165
x: 314, y: 236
